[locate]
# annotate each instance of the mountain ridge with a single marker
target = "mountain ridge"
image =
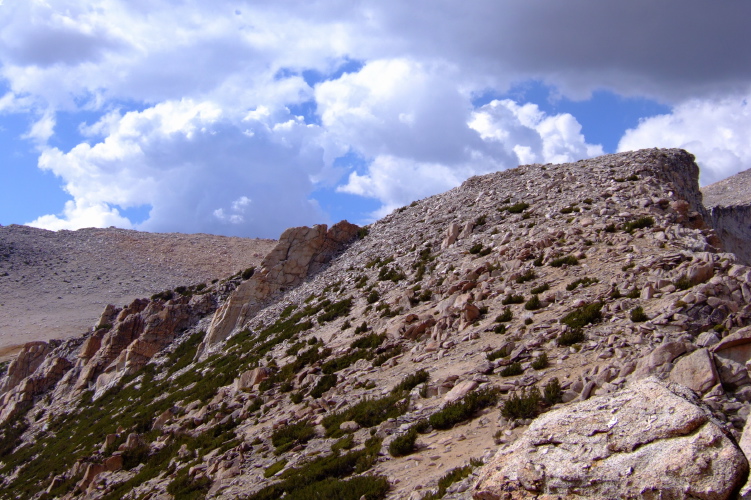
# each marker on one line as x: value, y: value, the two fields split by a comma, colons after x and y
x: 424, y: 347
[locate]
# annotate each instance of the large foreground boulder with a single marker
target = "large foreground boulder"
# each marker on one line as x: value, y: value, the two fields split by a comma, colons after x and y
x: 647, y: 441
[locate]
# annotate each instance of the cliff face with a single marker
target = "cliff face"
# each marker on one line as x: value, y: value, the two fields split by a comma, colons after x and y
x: 393, y: 365
x: 728, y: 204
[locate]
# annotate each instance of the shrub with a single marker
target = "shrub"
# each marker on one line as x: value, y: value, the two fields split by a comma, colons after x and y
x: 683, y: 283
x: 453, y: 476
x: 505, y: 316
x: 552, y: 392
x: 480, y: 221
x: 188, y: 488
x: 499, y: 329
x: 345, y: 443
x: 584, y: 282
x: 367, y: 413
x: 533, y: 303
x: 373, y: 297
x: 476, y: 248
x: 610, y: 228
x: 512, y: 370
x: 291, y: 435
x: 296, y: 397
x: 584, y: 315
x: 362, y: 328
x: 272, y: 469
x: 246, y: 275
x: 638, y: 315
x: 335, y: 310
x: 524, y: 405
x: 324, y: 384
x: 464, y: 409
x: 517, y: 208
x: 634, y: 293
x: 640, y: 223
x: 362, y: 232
x: 615, y: 293
x: 498, y: 353
x: 411, y: 381
x: 388, y: 273
x: 512, y: 299
x: 569, y: 260
x: 369, y: 341
x: 540, y: 362
x: 404, y: 444
x: 540, y: 289
x: 570, y: 337
x: 527, y: 276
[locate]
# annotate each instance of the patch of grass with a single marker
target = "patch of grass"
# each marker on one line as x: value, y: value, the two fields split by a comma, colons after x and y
x: 640, y: 223
x: 362, y: 328
x: 324, y: 384
x: 569, y: 260
x: 638, y: 315
x: 634, y: 294
x: 464, y: 409
x: 683, y: 283
x: 369, y: 341
x: 453, y: 476
x: 540, y: 289
x: 188, y: 488
x: 345, y: 443
x: 387, y: 273
x: 366, y: 413
x: 335, y: 310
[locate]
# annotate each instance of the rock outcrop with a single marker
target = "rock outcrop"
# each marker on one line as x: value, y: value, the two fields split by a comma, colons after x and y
x: 728, y: 204
x: 301, y: 252
x: 646, y: 441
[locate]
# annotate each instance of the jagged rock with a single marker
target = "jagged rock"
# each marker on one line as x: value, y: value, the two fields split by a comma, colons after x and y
x: 300, y: 251
x: 663, y: 354
x: 736, y: 346
x: 452, y: 233
x: 696, y: 371
x: 649, y: 440
x: 249, y: 378
x: 459, y: 391
x: 27, y: 361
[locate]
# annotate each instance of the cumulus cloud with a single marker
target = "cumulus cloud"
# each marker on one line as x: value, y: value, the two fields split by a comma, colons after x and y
x: 195, y: 169
x: 716, y: 131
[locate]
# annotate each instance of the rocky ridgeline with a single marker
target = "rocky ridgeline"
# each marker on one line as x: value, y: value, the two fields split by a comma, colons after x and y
x: 549, y: 331
x: 729, y: 205
x: 55, y: 284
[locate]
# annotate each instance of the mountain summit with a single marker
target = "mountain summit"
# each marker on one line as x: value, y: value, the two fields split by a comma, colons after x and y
x: 573, y: 330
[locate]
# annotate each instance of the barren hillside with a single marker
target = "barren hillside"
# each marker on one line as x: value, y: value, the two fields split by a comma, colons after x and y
x: 55, y: 284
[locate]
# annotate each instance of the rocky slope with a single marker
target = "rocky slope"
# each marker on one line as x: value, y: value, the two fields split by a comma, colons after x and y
x: 729, y: 205
x: 578, y: 329
x: 55, y: 284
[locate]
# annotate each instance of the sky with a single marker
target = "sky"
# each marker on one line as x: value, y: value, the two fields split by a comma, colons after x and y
x: 245, y: 118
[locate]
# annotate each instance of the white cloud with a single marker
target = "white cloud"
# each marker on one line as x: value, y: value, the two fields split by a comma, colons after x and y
x: 78, y: 214
x: 196, y: 170
x: 717, y: 132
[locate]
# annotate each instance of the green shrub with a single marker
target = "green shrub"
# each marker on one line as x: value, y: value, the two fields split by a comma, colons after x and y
x: 345, y: 443
x: 584, y: 315
x: 274, y: 468
x: 480, y: 221
x: 453, y: 476
x: 362, y: 232
x: 367, y: 413
x: 540, y: 362
x: 387, y: 354
x: 404, y: 444
x: 552, y: 392
x: 527, y: 276
x: 324, y: 384
x: 476, y: 248
x: 512, y: 299
x: 533, y: 303
x: 464, y: 409
x: 248, y: 273
x: 615, y: 293
x: 498, y: 353
x: 505, y: 316
x: 373, y: 297
x: 362, y: 328
x: 512, y: 370
x: 188, y: 488
x: 610, y: 228
x: 335, y: 310
x: 640, y: 223
x: 540, y: 289
x: 296, y: 397
x: 584, y: 282
x: 291, y: 435
x: 411, y: 381
x: 634, y: 294
x: 569, y: 260
x: 683, y: 283
x: 517, y: 208
x: 369, y: 341
x: 570, y: 337
x: 638, y: 315
x: 524, y: 405
x: 499, y: 329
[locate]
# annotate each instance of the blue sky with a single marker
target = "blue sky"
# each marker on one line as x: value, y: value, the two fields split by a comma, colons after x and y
x: 244, y: 118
